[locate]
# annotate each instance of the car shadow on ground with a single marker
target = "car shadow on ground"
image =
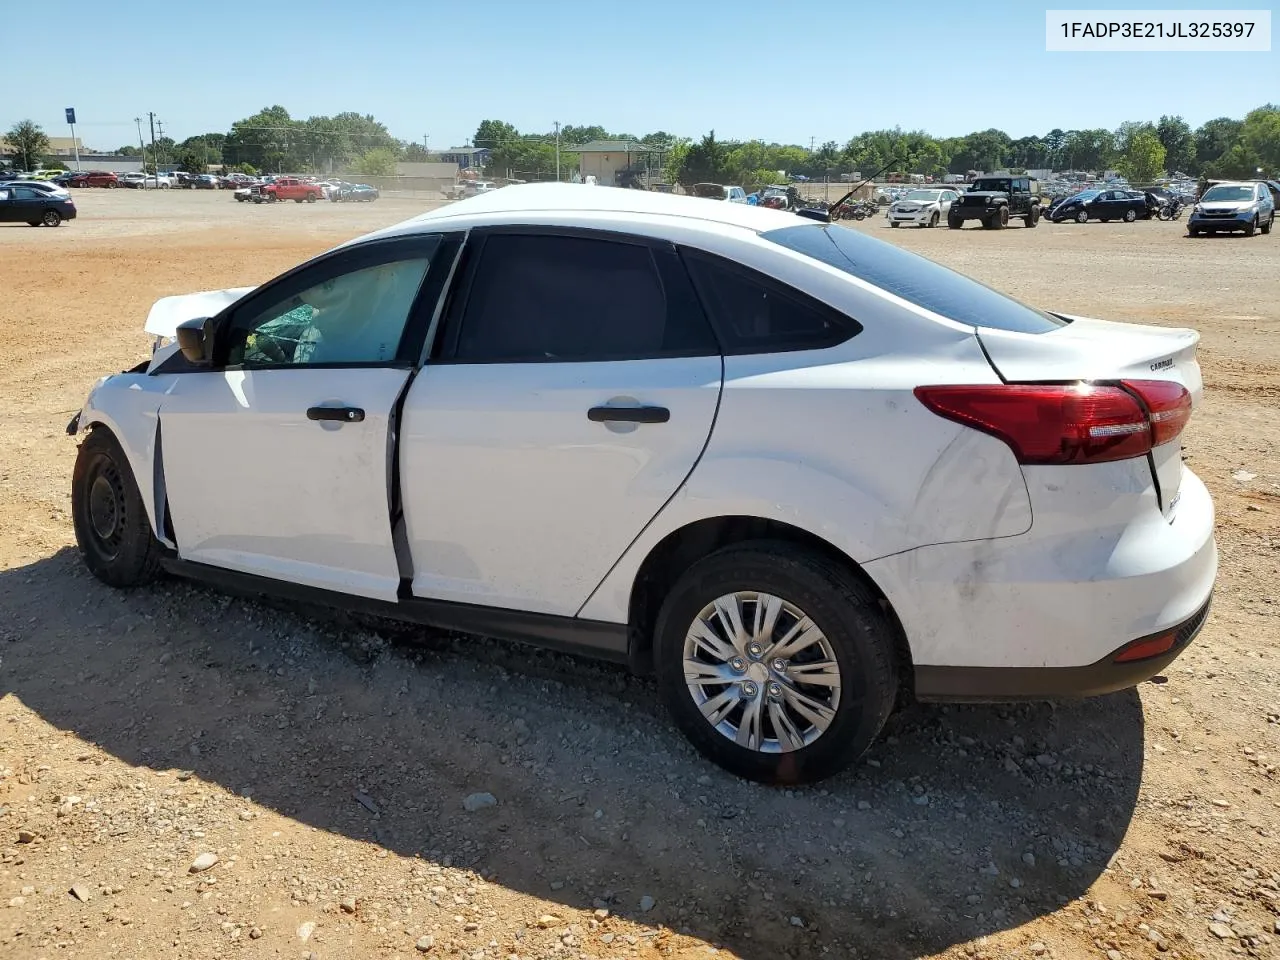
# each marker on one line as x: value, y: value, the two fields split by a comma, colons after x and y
x: 961, y: 821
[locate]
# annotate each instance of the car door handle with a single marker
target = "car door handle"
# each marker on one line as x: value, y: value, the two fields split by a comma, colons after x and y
x: 340, y: 414
x: 629, y: 414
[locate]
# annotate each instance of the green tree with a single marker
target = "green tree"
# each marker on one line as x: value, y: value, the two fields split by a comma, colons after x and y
x: 128, y: 150
x: 494, y: 133
x: 1179, y: 143
x: 1143, y: 159
x: 269, y: 140
x: 1214, y: 140
x: 580, y: 135
x: 703, y: 162
x: 1260, y: 138
x: 677, y: 155
x: 413, y: 151
x: 377, y: 162
x: 28, y: 141
x: 192, y: 160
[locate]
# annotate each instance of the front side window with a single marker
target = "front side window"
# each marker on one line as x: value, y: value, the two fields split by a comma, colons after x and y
x: 354, y: 317
x: 540, y: 298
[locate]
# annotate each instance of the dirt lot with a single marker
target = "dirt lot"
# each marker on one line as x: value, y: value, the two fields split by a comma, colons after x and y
x: 325, y: 764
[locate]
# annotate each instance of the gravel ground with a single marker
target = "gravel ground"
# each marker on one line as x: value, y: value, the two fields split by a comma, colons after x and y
x: 189, y: 774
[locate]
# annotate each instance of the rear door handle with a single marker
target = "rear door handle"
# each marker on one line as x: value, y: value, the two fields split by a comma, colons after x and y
x: 629, y: 414
x: 340, y: 414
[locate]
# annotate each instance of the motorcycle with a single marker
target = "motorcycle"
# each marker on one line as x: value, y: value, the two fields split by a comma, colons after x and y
x: 1171, y: 210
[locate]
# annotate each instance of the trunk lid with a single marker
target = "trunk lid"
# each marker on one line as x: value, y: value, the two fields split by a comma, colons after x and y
x: 1088, y: 349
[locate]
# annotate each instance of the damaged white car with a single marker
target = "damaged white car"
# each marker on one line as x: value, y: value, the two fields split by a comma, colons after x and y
x: 787, y: 468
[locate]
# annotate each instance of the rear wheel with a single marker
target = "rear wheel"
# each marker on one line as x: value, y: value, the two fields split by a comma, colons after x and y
x: 51, y: 218
x: 111, y: 524
x: 777, y: 663
x: 311, y: 198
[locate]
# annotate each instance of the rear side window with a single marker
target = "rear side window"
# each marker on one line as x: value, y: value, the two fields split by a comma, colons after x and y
x: 913, y: 278
x: 548, y: 297
x: 755, y: 314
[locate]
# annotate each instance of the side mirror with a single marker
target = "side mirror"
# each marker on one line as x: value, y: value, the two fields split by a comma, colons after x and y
x: 195, y: 340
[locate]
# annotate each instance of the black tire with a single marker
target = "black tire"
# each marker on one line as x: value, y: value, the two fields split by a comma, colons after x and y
x: 311, y: 198
x: 1082, y: 216
x: 954, y: 223
x: 1130, y: 216
x: 1032, y: 218
x: 933, y: 220
x: 51, y: 218
x: 840, y: 605
x: 892, y: 223
x: 104, y: 496
x: 1252, y: 228
x: 1193, y: 232
x: 1266, y: 227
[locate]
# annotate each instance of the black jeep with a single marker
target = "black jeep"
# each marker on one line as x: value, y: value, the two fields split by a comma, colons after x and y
x: 995, y: 201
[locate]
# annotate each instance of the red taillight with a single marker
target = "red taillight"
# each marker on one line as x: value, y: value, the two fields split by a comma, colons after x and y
x: 1168, y: 406
x: 1150, y: 647
x: 1067, y: 423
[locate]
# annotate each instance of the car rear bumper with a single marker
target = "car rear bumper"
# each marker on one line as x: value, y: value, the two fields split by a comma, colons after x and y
x: 1044, y: 613
x: 999, y: 684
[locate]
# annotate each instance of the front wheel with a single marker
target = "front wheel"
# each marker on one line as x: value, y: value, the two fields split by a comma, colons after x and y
x: 1251, y: 228
x: 1266, y: 227
x: 777, y: 663
x: 311, y: 198
x: 892, y: 223
x: 954, y: 223
x: 111, y: 524
x: 933, y: 220
x: 1082, y: 216
x: 1193, y: 232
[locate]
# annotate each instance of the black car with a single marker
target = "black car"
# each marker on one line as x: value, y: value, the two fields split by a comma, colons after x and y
x: 1105, y: 205
x: 23, y: 204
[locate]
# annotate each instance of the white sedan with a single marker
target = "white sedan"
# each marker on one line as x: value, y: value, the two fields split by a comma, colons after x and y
x: 786, y: 467
x: 925, y: 208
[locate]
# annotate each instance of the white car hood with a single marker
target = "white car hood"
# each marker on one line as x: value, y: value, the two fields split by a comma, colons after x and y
x: 167, y: 312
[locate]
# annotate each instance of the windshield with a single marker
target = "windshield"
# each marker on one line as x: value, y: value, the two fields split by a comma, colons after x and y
x: 1236, y: 193
x: 1086, y: 195
x: 913, y: 278
x: 990, y: 185
x: 924, y: 195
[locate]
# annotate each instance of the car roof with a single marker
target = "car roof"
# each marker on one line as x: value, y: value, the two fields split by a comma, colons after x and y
x: 567, y: 198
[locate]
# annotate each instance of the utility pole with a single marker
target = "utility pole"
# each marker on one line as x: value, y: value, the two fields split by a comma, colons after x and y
x: 426, y: 149
x: 557, y: 151
x: 160, y: 124
x: 155, y: 157
x: 811, y: 142
x: 141, y: 144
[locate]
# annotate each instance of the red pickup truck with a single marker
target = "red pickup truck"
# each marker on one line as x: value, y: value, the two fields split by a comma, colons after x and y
x: 289, y: 188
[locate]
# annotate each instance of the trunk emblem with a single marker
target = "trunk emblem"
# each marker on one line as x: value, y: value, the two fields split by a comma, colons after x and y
x: 1162, y: 364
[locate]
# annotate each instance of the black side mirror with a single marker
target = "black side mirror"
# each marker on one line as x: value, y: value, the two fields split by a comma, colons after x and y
x: 195, y: 340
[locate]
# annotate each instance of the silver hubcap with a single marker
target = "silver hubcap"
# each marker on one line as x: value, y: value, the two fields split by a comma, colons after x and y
x: 761, y: 672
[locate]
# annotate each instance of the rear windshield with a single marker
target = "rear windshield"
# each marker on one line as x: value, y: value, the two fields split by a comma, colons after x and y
x: 913, y: 278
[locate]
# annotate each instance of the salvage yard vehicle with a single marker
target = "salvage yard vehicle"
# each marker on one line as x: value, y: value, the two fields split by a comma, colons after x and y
x: 1224, y: 207
x: 289, y: 188
x: 1106, y: 205
x: 924, y: 208
x: 995, y: 201
x: 24, y: 203
x: 792, y: 470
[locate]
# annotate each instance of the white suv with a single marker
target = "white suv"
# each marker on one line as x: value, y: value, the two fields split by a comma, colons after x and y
x: 788, y: 468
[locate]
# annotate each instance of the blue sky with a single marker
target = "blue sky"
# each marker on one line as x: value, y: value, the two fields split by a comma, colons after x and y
x: 820, y: 69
